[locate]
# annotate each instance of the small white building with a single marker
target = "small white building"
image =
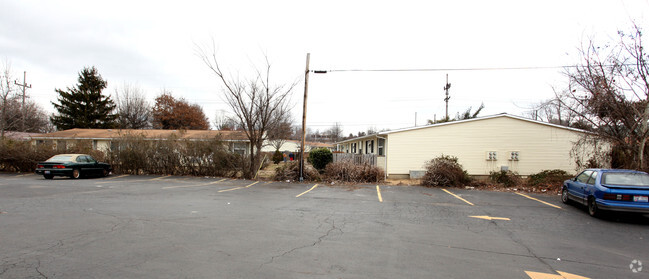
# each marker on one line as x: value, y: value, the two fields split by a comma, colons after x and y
x: 482, y: 145
x: 293, y: 146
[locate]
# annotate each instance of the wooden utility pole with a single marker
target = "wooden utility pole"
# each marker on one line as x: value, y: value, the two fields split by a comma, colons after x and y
x: 446, y: 88
x: 306, y: 91
x: 24, y: 85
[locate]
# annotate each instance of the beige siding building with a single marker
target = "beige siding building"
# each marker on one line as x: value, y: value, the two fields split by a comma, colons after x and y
x: 482, y: 145
x: 105, y: 139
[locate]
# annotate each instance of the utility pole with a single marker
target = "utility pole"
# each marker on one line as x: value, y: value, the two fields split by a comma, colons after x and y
x: 306, y: 91
x: 446, y: 88
x: 24, y: 85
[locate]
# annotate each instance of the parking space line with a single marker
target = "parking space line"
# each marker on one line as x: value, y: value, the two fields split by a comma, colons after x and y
x: 307, y: 191
x: 460, y: 198
x: 378, y: 192
x: 111, y: 178
x: 543, y: 202
x: 196, y: 185
x: 237, y: 188
x: 158, y: 178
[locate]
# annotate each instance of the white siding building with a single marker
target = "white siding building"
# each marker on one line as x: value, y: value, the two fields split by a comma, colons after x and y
x: 482, y: 145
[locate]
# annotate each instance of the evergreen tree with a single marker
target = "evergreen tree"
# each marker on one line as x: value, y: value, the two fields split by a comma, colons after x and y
x: 84, y: 106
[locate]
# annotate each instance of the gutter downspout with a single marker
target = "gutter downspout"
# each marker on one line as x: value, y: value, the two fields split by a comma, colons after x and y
x: 385, y: 150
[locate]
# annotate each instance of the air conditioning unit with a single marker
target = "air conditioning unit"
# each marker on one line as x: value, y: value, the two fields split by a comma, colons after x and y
x: 514, y: 155
x: 492, y: 156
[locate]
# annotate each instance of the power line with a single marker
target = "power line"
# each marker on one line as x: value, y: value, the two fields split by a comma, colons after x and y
x: 445, y: 69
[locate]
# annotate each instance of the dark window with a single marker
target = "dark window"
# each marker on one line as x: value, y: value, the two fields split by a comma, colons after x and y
x: 584, y: 176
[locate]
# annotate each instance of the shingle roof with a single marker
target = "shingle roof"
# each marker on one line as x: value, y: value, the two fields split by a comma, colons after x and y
x: 120, y: 133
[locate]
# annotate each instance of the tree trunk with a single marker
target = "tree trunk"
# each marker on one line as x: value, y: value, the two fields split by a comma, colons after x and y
x: 643, y: 133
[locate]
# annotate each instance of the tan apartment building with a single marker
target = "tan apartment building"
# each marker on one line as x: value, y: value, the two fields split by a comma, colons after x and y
x: 482, y: 145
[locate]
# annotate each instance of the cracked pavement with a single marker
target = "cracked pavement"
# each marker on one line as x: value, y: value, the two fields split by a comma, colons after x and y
x: 146, y: 227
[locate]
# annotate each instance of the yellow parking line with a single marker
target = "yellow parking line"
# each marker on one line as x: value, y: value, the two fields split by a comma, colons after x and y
x: 449, y: 192
x: 158, y: 178
x: 307, y: 191
x: 110, y: 178
x: 378, y: 192
x: 237, y: 188
x: 546, y: 203
x: 196, y: 185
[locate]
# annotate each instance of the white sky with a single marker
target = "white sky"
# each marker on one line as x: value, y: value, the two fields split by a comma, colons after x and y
x: 152, y: 44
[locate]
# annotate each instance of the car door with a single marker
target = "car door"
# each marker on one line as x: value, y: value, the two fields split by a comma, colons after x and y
x: 577, y: 187
x: 589, y: 188
x: 93, y: 165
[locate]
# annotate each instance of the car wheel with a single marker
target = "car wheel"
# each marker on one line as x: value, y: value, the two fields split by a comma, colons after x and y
x: 592, y: 207
x: 48, y: 176
x: 104, y: 173
x: 564, y: 195
x: 76, y: 173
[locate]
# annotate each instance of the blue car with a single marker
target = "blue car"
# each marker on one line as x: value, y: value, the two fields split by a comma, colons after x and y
x: 609, y: 190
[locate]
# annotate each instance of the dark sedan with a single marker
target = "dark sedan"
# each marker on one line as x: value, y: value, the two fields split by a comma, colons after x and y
x: 73, y: 166
x: 610, y: 190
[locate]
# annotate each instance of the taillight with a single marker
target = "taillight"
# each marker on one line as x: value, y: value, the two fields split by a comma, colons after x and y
x: 58, y: 166
x: 39, y: 166
x: 617, y: 197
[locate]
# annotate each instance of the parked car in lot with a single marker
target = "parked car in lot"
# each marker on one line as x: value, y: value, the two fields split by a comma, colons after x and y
x: 73, y: 166
x: 609, y: 190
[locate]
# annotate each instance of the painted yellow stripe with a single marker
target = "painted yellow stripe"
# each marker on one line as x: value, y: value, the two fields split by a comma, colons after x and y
x: 543, y: 202
x: 307, y: 191
x: 110, y: 178
x: 158, y: 178
x: 196, y: 185
x: 237, y: 188
x: 378, y: 192
x: 460, y: 198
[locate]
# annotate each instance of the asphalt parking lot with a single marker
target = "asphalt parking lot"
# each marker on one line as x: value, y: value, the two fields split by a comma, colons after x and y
x: 188, y: 227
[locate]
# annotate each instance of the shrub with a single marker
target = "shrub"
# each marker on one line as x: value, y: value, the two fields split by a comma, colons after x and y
x: 507, y: 178
x: 320, y: 157
x: 346, y: 171
x: 552, y: 179
x: 291, y: 171
x: 277, y: 157
x: 445, y: 171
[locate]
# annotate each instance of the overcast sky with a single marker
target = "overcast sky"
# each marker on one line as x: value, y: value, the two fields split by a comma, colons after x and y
x: 152, y: 44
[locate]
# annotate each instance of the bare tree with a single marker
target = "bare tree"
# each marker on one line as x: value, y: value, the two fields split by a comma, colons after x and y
x: 258, y: 105
x: 6, y: 95
x: 36, y: 119
x: 553, y: 111
x: 224, y: 123
x: 609, y: 91
x: 134, y: 112
x: 282, y: 132
x: 335, y: 132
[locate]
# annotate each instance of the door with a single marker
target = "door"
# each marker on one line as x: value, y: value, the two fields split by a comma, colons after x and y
x: 577, y: 187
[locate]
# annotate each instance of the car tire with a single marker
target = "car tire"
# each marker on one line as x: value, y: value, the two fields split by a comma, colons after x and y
x: 76, y: 173
x: 565, y: 198
x: 48, y: 176
x: 104, y: 173
x: 593, y: 210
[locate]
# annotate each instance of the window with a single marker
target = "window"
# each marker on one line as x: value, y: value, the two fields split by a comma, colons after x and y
x: 367, y: 148
x: 592, y: 178
x: 94, y: 144
x: 381, y: 148
x: 584, y: 176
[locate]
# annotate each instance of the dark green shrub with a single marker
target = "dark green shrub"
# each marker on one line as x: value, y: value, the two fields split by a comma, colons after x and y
x: 320, y: 157
x: 346, y: 171
x: 277, y: 157
x: 445, y: 171
x: 506, y: 178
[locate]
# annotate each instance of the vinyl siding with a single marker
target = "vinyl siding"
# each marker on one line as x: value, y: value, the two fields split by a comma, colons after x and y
x: 540, y: 146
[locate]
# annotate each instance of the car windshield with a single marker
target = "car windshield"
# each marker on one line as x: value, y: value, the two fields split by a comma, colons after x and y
x: 628, y: 179
x: 60, y: 158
